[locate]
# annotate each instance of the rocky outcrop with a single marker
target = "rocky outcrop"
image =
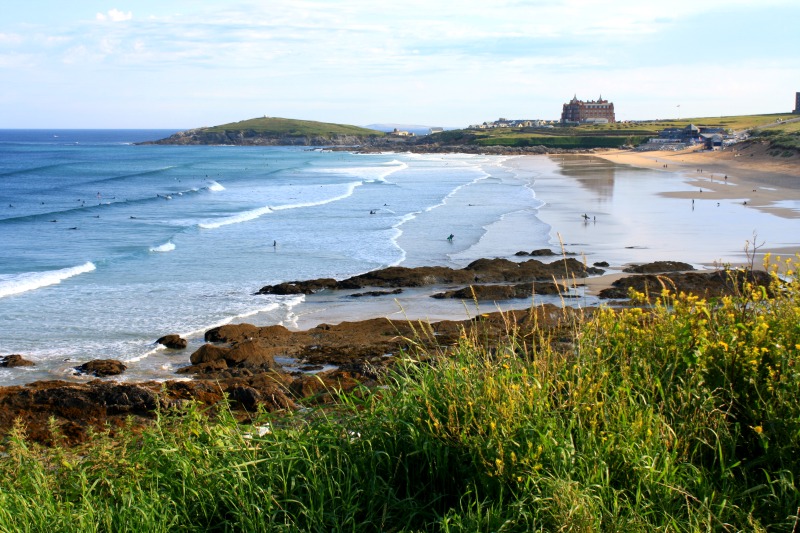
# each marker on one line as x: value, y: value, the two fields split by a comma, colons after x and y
x: 173, y: 342
x: 102, y: 368
x: 541, y: 252
x: 504, y: 292
x: 14, y: 360
x: 254, y: 138
x: 659, y: 267
x: 247, y: 353
x: 376, y: 293
x: 703, y: 284
x: 477, y: 272
x: 78, y: 409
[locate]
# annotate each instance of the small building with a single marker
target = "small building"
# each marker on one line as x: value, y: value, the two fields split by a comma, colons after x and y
x: 712, y: 141
x: 401, y: 133
x: 592, y: 111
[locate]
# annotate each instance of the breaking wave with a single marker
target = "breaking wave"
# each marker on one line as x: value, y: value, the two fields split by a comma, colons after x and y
x: 30, y: 281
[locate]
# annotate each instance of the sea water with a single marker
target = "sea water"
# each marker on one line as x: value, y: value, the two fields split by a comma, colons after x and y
x: 105, y: 245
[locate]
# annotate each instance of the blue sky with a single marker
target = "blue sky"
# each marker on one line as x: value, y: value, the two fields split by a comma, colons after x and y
x: 181, y: 64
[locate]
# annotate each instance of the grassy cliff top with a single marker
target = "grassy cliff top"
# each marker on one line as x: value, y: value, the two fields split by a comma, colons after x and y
x: 611, y: 135
x: 290, y: 127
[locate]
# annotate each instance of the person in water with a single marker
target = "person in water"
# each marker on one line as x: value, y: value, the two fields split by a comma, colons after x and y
x: 450, y: 238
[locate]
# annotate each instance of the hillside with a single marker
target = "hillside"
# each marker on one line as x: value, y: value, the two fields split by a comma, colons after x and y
x: 273, y: 131
x: 609, y: 135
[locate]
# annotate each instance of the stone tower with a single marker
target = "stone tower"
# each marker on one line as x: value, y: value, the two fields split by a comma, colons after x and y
x: 796, y: 103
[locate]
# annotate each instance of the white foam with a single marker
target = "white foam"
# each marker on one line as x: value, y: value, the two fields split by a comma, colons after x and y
x: 351, y: 187
x: 398, y: 232
x: 216, y: 187
x: 237, y: 219
x: 261, y: 211
x: 29, y: 281
x: 368, y: 174
x: 166, y: 247
x: 455, y: 191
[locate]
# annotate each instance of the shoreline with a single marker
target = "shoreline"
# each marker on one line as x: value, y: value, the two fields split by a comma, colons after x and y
x: 606, y: 239
x: 753, y: 176
x: 339, y: 342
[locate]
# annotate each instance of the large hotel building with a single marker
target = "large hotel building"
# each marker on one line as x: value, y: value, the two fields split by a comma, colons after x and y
x: 600, y: 111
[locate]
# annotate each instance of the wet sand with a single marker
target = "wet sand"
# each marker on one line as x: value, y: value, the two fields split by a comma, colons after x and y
x: 768, y: 183
x: 639, y: 211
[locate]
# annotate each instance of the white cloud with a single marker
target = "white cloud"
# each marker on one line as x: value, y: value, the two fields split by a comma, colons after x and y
x: 10, y: 38
x: 115, y: 15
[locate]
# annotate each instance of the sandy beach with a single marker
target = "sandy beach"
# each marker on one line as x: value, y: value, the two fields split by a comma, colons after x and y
x: 768, y: 183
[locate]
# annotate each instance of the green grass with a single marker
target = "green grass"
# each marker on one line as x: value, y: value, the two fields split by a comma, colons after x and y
x: 781, y: 140
x: 621, y: 133
x: 293, y: 128
x: 681, y: 415
x: 737, y: 122
x: 563, y: 141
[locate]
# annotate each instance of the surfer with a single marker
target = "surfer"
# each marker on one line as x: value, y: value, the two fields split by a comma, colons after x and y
x: 450, y: 237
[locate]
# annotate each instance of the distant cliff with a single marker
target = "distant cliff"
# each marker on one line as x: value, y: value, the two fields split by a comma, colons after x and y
x: 271, y: 131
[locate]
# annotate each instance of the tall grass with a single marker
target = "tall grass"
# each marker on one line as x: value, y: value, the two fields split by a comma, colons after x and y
x: 681, y: 415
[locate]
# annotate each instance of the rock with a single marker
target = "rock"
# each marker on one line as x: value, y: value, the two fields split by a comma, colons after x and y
x: 503, y: 292
x: 406, y: 277
x: 207, y: 367
x: 244, y: 354
x: 242, y: 332
x: 208, y: 353
x: 250, y: 354
x: 319, y: 387
x: 15, y: 360
x: 247, y: 396
x: 127, y: 398
x: 542, y: 252
x: 375, y: 293
x: 173, y: 342
x: 102, y: 368
x: 496, y: 270
x: 603, y: 264
x: 299, y: 287
x: 658, y: 267
x: 703, y: 284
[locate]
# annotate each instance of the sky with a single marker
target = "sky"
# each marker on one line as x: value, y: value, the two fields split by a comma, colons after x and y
x: 183, y: 64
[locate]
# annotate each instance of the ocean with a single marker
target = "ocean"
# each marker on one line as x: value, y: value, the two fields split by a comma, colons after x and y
x: 107, y: 245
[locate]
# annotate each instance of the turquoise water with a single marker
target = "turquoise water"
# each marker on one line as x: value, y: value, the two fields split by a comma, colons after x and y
x: 107, y: 245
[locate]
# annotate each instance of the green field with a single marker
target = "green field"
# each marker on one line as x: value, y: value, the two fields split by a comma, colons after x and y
x: 736, y: 123
x: 293, y: 128
x: 677, y: 416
